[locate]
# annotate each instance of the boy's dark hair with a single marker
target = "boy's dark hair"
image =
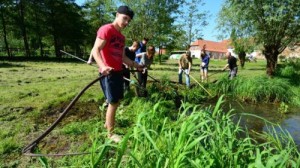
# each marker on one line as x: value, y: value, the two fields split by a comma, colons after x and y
x: 146, y: 39
x: 126, y: 11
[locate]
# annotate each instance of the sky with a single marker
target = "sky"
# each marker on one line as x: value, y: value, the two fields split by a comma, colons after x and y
x: 213, y: 7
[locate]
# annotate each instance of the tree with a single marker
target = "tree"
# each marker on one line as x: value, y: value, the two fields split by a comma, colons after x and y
x: 3, y: 17
x: 37, y: 22
x: 65, y: 24
x: 23, y: 25
x: 241, y: 46
x: 274, y: 24
x: 151, y: 18
x: 154, y: 19
x: 97, y: 13
x: 192, y: 20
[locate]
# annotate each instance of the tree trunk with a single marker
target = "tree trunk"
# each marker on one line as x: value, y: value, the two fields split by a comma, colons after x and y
x: 57, y: 46
x: 271, y: 53
x: 242, y: 57
x: 38, y: 30
x: 4, y: 33
x: 23, y: 29
x: 40, y: 40
x: 41, y: 47
x: 159, y: 54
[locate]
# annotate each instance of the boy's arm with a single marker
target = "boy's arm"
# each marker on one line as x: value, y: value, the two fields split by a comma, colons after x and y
x: 142, y: 61
x: 179, y: 64
x: 98, y: 46
x: 129, y: 62
x: 140, y: 54
x: 225, y: 67
x: 90, y: 61
x: 190, y: 66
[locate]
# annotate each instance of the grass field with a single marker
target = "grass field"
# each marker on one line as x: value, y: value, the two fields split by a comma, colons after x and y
x: 34, y: 93
x: 27, y: 82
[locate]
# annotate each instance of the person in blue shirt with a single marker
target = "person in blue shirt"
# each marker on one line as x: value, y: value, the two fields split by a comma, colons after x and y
x: 142, y: 49
x: 204, y: 66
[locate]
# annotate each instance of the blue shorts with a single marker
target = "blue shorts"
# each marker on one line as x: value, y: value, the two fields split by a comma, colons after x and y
x: 112, y: 86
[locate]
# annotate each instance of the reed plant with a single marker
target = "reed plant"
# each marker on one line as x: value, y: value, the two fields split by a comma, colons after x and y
x: 198, y: 138
x: 258, y: 89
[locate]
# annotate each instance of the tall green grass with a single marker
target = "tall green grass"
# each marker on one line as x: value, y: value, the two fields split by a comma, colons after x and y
x: 198, y: 138
x: 258, y: 89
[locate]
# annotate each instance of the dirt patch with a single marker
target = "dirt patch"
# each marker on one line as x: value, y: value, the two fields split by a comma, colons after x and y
x: 80, y: 111
x: 59, y: 143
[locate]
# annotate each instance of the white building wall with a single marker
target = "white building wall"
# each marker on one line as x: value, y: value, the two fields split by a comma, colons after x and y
x: 195, y: 53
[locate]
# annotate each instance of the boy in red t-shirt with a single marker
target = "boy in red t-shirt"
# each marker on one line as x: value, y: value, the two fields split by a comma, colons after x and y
x: 108, y: 52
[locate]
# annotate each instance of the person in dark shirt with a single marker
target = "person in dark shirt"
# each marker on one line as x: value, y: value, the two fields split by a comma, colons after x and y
x: 232, y: 65
x: 130, y: 53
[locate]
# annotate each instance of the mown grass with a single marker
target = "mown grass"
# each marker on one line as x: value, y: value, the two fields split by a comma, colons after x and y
x: 34, y: 93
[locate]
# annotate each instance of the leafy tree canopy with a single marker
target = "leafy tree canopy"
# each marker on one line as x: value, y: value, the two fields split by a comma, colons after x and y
x: 274, y: 24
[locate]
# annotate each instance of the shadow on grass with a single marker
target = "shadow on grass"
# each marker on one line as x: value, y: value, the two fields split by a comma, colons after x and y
x: 64, y: 58
x: 262, y: 68
x: 10, y: 65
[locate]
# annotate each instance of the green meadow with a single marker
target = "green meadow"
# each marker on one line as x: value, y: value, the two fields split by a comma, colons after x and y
x: 168, y: 128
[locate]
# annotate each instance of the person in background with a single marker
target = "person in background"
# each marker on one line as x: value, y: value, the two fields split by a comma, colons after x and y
x: 108, y: 52
x: 130, y: 53
x: 142, y: 49
x: 185, y: 65
x: 232, y: 65
x: 204, y: 66
x: 146, y: 61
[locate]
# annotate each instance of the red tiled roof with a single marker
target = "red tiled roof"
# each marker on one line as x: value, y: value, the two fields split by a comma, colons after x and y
x: 212, y: 45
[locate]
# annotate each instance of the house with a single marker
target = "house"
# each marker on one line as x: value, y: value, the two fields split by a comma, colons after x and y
x: 292, y: 51
x: 216, y: 50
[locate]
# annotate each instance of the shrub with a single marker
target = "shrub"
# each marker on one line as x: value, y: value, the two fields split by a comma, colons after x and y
x: 163, y: 57
x: 290, y: 70
x: 282, y: 58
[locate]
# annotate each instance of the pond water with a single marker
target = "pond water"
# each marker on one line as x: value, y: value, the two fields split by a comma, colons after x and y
x: 289, y: 122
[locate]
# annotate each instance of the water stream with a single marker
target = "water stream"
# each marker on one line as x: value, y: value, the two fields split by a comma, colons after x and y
x: 289, y: 122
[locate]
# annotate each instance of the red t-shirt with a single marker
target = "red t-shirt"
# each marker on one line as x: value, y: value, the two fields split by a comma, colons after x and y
x: 112, y: 52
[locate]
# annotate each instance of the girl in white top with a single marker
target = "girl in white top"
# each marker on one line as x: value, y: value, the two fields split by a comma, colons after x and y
x: 146, y: 61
